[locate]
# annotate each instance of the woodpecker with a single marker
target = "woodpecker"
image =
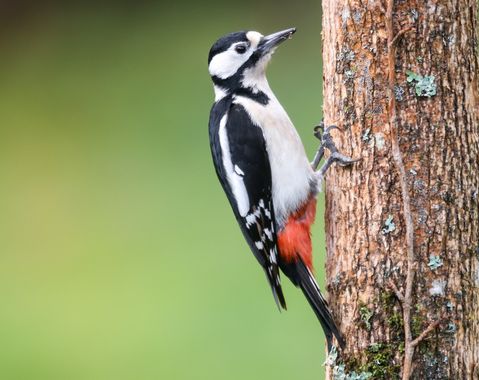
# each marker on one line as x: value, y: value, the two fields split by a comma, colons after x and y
x: 263, y: 168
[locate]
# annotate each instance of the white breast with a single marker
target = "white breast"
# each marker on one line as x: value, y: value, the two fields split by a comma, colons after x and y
x: 290, y: 168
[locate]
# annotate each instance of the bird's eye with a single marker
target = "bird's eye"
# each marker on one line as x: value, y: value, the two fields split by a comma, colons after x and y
x: 240, y: 49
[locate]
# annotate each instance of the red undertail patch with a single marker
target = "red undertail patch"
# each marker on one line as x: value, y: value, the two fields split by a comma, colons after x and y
x: 295, y: 238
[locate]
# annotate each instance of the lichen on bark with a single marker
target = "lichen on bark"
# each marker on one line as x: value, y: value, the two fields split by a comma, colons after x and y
x: 438, y: 140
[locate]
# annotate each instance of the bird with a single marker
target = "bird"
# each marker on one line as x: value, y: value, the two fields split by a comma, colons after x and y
x: 263, y: 168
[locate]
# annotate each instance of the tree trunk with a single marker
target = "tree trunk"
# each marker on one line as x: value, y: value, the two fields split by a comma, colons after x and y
x: 400, y: 79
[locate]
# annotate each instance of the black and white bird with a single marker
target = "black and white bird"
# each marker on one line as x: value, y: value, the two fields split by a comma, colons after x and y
x: 263, y: 168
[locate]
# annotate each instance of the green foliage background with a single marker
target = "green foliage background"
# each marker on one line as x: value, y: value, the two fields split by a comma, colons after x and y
x: 119, y: 255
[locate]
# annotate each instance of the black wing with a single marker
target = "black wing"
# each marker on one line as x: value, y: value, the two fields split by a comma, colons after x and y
x: 242, y: 165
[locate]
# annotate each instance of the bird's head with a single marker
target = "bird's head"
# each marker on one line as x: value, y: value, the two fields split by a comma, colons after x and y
x: 239, y: 59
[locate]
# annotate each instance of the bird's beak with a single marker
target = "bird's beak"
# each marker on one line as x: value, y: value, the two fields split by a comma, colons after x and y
x: 268, y: 43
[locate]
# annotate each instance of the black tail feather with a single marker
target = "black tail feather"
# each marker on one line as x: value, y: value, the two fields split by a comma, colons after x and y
x: 310, y: 288
x: 277, y: 291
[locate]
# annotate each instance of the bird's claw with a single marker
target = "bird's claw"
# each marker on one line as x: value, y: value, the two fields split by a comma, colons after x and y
x: 324, y: 135
x: 320, y: 132
x: 344, y: 160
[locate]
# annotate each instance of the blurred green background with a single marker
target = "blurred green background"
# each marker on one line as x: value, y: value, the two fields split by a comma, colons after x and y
x: 119, y: 255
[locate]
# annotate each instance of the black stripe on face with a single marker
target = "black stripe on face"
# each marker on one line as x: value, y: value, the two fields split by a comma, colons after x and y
x: 233, y: 85
x: 225, y: 42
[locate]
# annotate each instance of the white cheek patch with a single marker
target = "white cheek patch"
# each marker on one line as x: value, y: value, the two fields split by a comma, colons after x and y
x: 227, y: 63
x: 254, y: 38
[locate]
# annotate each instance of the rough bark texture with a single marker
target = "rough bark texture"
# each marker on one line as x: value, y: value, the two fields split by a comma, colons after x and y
x: 431, y: 128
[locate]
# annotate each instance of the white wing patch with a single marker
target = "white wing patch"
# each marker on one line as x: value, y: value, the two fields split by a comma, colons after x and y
x: 268, y: 233
x: 239, y: 171
x: 252, y: 217
x: 261, y: 227
x: 272, y: 255
x: 234, y: 179
x: 267, y: 213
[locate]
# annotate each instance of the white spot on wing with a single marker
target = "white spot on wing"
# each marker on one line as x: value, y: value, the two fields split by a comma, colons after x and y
x: 250, y: 220
x: 268, y: 233
x: 272, y: 255
x: 252, y: 217
x: 239, y: 171
x: 267, y: 213
x: 235, y: 181
x: 259, y: 245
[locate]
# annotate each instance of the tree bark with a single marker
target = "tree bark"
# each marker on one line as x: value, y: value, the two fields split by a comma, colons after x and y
x: 400, y: 79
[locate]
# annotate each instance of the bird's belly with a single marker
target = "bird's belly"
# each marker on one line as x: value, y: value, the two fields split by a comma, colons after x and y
x: 292, y: 175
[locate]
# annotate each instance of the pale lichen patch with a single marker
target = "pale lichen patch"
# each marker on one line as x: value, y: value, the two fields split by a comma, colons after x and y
x: 379, y: 139
x: 438, y: 288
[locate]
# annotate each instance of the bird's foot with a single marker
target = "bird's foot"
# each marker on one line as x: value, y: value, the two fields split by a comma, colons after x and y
x: 324, y: 135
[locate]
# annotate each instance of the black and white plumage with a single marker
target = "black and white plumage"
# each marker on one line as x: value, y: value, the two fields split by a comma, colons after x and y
x: 262, y: 165
x: 244, y: 171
